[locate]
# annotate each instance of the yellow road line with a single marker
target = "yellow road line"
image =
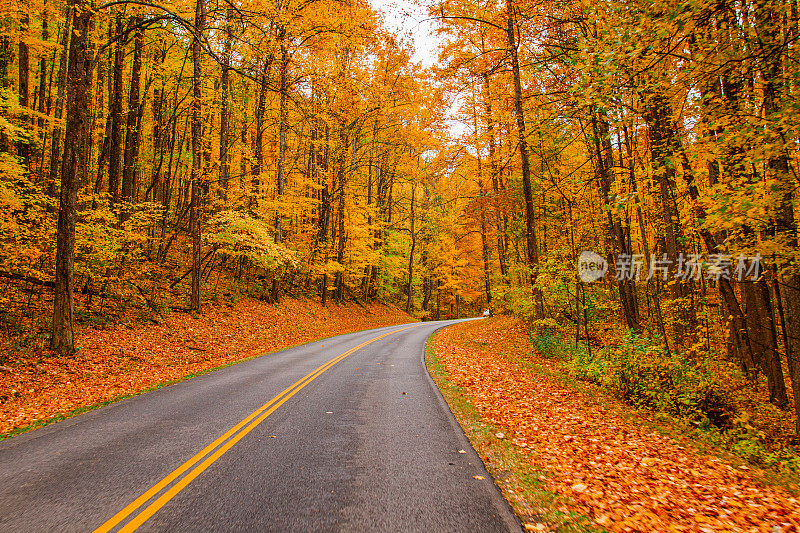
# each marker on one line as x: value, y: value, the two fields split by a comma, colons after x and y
x: 264, y: 411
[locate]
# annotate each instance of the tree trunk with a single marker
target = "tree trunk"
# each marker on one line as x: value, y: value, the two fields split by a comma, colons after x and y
x: 760, y: 320
x: 6, y: 57
x: 154, y: 191
x: 78, y: 95
x: 43, y: 74
x: 665, y: 148
x: 197, y: 155
x: 487, y: 278
x: 115, y: 109
x: 61, y: 82
x: 224, y: 166
x: 739, y: 339
x: 282, y: 127
x: 605, y: 175
x: 409, y: 288
x: 102, y: 158
x: 500, y: 226
x: 530, y: 222
x: 768, y: 20
x: 23, y: 62
x: 131, y: 153
x: 258, y: 142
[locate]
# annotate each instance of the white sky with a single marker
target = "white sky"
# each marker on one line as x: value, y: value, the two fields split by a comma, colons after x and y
x: 408, y: 19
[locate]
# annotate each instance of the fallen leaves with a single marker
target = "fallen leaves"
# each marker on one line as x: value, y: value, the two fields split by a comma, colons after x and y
x: 125, y: 360
x: 610, y: 469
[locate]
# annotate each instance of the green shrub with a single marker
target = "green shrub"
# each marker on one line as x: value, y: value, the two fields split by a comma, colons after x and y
x: 548, y: 343
x: 588, y: 365
x: 708, y: 392
x: 642, y: 373
x: 552, y: 344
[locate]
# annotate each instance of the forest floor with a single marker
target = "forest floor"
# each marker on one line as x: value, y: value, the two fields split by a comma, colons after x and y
x: 118, y: 361
x: 570, y: 458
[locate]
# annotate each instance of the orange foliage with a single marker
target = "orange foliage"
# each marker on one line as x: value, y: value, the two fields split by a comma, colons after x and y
x: 622, y: 476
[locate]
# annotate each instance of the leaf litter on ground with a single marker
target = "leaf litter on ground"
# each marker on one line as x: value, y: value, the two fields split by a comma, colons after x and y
x: 117, y: 361
x: 620, y: 474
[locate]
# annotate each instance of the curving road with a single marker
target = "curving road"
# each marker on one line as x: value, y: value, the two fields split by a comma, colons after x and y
x: 349, y: 433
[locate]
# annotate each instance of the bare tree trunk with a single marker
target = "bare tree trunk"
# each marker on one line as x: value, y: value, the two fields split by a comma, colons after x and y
x: 768, y: 20
x: 115, y: 146
x: 43, y: 73
x: 282, y: 127
x: 530, y: 222
x: 499, y: 225
x: 61, y: 83
x: 487, y: 279
x: 258, y: 142
x: 5, y: 59
x: 409, y: 288
x: 78, y: 94
x: 760, y: 320
x: 341, y: 240
x: 324, y: 210
x: 197, y: 155
x: 131, y: 153
x: 224, y: 166
x: 102, y: 158
x: 370, y: 165
x: 665, y: 144
x: 155, y: 189
x: 605, y: 174
x: 652, y: 283
x: 23, y: 62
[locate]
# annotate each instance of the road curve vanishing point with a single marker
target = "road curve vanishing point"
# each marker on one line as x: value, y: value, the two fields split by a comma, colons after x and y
x: 355, y: 436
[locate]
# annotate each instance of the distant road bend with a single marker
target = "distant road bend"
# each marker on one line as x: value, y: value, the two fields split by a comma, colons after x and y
x: 345, y: 434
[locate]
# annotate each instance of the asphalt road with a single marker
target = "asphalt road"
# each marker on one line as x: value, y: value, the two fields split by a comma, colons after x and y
x: 364, y: 444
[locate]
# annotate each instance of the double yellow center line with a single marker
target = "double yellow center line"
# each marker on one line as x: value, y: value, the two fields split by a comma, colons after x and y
x: 226, y: 440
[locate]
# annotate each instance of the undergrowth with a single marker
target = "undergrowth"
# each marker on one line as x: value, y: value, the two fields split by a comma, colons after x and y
x: 709, y: 394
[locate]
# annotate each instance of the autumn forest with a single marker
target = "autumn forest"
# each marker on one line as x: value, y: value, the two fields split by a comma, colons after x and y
x: 171, y: 156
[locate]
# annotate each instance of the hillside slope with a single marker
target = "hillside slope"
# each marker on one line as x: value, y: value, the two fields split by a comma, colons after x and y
x: 121, y: 360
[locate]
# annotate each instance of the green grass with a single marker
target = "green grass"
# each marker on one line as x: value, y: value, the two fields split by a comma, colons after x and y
x: 518, y: 479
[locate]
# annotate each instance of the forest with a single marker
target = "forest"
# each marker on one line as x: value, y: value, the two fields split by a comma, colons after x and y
x: 173, y: 155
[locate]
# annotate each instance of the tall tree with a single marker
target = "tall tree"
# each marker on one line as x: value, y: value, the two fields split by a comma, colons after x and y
x: 23, y: 62
x: 61, y: 87
x: 531, y: 241
x: 131, y: 152
x: 115, y: 109
x: 73, y: 168
x: 197, y: 148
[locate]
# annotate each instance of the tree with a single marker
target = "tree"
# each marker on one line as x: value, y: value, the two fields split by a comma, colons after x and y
x: 73, y: 170
x: 197, y: 147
